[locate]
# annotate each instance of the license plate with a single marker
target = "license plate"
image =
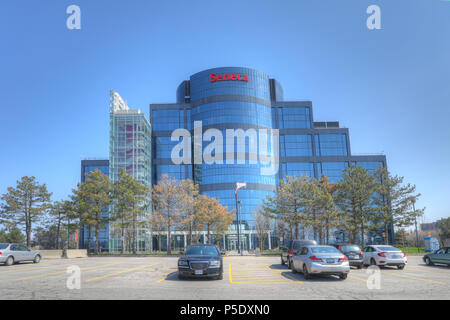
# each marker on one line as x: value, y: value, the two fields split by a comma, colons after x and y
x: 197, y: 272
x: 396, y: 257
x: 330, y: 261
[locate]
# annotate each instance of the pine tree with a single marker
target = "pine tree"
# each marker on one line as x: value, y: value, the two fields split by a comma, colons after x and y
x: 394, y: 201
x: 26, y: 204
x: 354, y: 198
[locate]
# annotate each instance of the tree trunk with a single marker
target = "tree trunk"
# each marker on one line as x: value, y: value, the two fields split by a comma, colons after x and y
x: 296, y: 231
x: 363, y: 242
x: 96, y: 240
x: 209, y: 240
x: 57, y: 233
x: 89, y: 240
x: 122, y: 247
x: 169, y: 243
x: 134, y: 234
x: 386, y: 233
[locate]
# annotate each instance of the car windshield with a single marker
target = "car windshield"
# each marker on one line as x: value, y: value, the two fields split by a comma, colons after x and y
x: 3, y: 245
x: 350, y: 248
x: 201, y: 251
x: 388, y: 248
x: 324, y: 250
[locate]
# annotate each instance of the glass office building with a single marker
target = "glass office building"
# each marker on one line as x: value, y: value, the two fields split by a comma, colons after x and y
x: 130, y: 149
x: 235, y: 98
x: 87, y: 166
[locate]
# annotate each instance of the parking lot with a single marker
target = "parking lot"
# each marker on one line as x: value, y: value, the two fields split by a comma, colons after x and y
x: 245, y: 277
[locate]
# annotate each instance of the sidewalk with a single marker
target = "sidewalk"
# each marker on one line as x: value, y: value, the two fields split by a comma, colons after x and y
x: 235, y: 253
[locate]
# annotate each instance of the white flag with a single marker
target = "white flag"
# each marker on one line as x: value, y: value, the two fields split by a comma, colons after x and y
x: 240, y: 185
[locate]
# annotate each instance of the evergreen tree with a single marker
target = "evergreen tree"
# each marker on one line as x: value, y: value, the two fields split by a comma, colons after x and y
x: 393, y: 201
x: 25, y: 205
x: 354, y: 198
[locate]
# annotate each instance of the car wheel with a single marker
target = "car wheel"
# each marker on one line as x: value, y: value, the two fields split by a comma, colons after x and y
x: 373, y: 262
x: 428, y: 261
x: 220, y: 277
x: 293, y: 269
x: 359, y: 266
x: 282, y: 261
x: 343, y: 276
x: 306, y: 273
x: 9, y: 261
x: 37, y: 259
x: 401, y: 267
x: 289, y: 264
x: 181, y: 277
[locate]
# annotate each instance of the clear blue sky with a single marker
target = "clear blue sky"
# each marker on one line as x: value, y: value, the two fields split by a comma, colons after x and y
x: 391, y: 87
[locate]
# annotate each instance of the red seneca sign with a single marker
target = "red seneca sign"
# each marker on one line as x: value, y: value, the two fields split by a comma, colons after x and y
x: 228, y: 77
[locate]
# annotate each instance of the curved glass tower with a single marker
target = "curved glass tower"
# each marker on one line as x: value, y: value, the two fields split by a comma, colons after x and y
x: 227, y: 113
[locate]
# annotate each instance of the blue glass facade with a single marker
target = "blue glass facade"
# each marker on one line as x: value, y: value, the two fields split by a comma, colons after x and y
x: 223, y: 99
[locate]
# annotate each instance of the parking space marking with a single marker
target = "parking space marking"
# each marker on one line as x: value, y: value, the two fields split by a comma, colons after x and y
x: 121, y: 272
x: 421, y: 269
x: 43, y: 275
x: 263, y: 275
x: 415, y: 278
x: 168, y: 276
x: 357, y: 278
x: 21, y: 269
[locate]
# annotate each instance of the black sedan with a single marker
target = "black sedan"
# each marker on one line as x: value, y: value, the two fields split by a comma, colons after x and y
x: 201, y: 260
x: 353, y: 253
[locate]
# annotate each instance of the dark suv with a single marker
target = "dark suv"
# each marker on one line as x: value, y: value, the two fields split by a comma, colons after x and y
x: 201, y: 260
x: 291, y: 249
x: 353, y: 253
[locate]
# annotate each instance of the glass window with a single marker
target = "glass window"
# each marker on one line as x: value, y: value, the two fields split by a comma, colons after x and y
x: 202, y: 251
x: 333, y: 170
x: 294, y: 117
x: 331, y: 145
x: 324, y: 250
x: 388, y: 248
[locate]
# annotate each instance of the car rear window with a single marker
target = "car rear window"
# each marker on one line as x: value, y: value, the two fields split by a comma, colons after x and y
x: 388, y: 248
x: 324, y: 250
x: 350, y: 248
x: 3, y: 245
x: 302, y: 243
x: 202, y: 251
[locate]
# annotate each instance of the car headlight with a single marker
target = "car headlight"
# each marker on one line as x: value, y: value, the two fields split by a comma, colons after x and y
x: 182, y: 263
x: 214, y: 263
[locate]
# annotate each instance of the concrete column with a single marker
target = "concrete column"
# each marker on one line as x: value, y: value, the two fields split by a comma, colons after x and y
x: 270, y: 240
x: 204, y: 237
x: 185, y: 240
x: 250, y: 241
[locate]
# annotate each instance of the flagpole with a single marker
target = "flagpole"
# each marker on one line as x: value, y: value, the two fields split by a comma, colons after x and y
x: 238, y: 223
x: 238, y: 186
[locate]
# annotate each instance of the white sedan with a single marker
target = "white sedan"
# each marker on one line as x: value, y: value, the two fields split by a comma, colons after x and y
x: 384, y: 255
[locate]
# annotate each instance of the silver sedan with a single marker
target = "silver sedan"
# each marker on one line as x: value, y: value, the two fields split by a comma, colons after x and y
x: 11, y: 253
x: 311, y: 260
